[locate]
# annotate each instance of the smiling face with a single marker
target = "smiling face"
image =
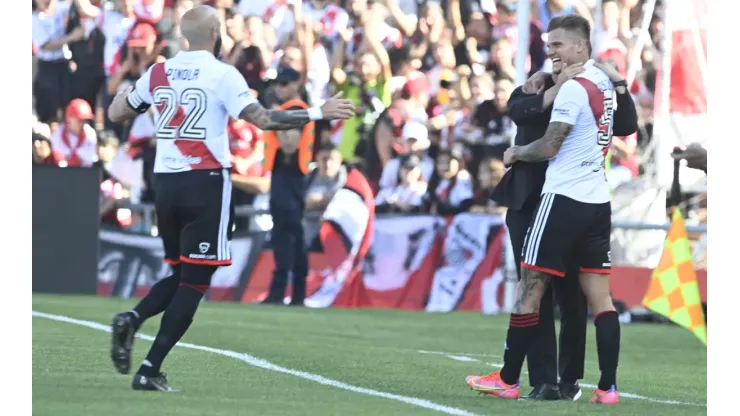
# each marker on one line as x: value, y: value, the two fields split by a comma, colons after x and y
x: 563, y: 47
x: 568, y: 41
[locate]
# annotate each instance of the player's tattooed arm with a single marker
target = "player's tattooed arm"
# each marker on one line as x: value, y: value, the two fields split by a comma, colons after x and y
x: 546, y: 147
x: 274, y: 119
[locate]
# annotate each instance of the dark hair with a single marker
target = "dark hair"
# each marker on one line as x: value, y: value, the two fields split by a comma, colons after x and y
x: 575, y: 24
x: 40, y: 137
x: 327, y: 146
x: 399, y: 57
x: 108, y: 138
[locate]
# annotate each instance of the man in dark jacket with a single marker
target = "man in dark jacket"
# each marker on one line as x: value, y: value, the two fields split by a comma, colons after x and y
x: 520, y: 190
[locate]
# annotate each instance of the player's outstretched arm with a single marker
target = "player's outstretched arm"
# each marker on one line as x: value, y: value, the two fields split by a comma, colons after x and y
x: 334, y: 108
x: 274, y: 119
x: 546, y: 147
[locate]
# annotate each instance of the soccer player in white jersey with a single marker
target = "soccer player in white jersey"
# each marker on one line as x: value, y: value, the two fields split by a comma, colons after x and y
x: 192, y: 95
x: 573, y: 220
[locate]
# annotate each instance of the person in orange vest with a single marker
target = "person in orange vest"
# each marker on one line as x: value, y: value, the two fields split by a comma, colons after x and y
x: 287, y: 155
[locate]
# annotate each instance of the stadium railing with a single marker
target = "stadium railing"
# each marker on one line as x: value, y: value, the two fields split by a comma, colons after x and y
x: 620, y: 237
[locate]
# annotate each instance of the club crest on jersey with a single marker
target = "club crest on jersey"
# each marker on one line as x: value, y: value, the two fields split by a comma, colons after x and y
x: 203, y: 247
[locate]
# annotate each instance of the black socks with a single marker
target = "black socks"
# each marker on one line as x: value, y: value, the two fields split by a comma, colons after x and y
x: 175, y: 322
x: 607, y: 344
x: 178, y: 315
x: 522, y: 332
x: 159, y: 296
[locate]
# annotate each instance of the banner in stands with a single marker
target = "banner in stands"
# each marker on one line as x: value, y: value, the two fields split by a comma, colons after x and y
x: 130, y: 264
x: 417, y: 263
x: 467, y: 244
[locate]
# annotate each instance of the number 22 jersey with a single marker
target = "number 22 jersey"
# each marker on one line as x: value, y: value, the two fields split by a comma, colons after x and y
x: 192, y: 95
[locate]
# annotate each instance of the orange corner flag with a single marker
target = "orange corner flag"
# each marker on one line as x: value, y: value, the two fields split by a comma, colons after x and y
x: 673, y: 291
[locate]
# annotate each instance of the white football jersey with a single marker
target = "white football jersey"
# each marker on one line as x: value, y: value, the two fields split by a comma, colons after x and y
x: 577, y: 171
x: 192, y: 94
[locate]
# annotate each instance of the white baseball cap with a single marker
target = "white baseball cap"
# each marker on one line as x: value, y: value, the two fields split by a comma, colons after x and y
x: 417, y: 131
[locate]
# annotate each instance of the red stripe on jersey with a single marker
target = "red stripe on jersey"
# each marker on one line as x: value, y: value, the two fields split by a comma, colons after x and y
x: 194, y: 148
x: 596, y: 102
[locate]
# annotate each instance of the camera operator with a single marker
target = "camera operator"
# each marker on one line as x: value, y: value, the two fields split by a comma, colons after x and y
x: 365, y: 81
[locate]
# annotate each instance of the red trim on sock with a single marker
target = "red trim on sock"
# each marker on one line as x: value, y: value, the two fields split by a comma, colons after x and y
x: 172, y: 261
x: 600, y: 314
x: 199, y: 288
x: 543, y: 269
x: 524, y: 317
x: 524, y: 320
x: 206, y: 262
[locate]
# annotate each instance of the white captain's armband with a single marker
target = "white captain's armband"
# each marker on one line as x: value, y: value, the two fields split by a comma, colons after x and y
x: 136, y: 103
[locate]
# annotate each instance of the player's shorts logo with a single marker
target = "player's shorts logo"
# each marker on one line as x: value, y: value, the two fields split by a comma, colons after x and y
x: 203, y: 247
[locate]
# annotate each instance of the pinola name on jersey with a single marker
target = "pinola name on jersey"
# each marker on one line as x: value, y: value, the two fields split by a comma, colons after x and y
x: 174, y: 74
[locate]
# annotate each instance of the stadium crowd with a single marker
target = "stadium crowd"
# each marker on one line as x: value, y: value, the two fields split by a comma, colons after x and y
x: 430, y: 79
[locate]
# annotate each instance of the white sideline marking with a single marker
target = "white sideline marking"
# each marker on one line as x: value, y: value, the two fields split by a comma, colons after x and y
x: 455, y: 353
x: 460, y: 356
x: 259, y: 362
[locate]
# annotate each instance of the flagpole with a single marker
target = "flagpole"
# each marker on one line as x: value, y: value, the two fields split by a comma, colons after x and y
x: 662, y: 128
x: 522, y: 24
x: 642, y: 38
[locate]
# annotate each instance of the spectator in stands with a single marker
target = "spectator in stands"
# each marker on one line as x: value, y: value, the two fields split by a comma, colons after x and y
x: 609, y: 42
x: 385, y: 140
x: 251, y: 55
x: 329, y: 176
x: 114, y: 194
x: 491, y: 130
x: 43, y: 153
x: 442, y: 72
x: 490, y: 173
x: 430, y: 30
x: 415, y: 94
x: 506, y: 28
x: 327, y: 19
x: 50, y: 36
x: 365, y: 82
x: 251, y: 182
x: 115, y: 25
x: 402, y: 69
x: 107, y: 149
x: 76, y: 141
x: 481, y: 89
x: 451, y: 187
x: 287, y: 84
x: 137, y: 57
x: 139, y: 53
x: 416, y: 137
x: 317, y: 54
x: 501, y: 62
x: 408, y: 195
x: 547, y: 9
x: 448, y: 117
x: 87, y: 57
